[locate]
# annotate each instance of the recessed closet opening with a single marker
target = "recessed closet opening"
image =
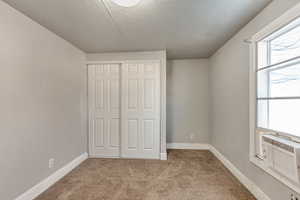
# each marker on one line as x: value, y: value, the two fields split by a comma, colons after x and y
x: 124, y: 109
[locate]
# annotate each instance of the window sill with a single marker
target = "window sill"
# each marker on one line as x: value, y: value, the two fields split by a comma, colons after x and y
x: 259, y: 163
x: 288, y: 136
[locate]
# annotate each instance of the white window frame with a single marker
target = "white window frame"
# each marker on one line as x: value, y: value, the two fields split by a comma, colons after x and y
x: 280, y: 22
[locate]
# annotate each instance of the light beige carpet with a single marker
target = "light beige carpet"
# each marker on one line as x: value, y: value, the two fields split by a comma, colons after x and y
x: 187, y: 175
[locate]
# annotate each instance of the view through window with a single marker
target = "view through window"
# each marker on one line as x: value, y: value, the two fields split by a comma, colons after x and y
x: 278, y: 80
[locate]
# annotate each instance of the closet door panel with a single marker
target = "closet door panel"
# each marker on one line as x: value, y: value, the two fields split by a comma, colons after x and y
x: 148, y: 133
x: 140, y: 109
x: 133, y: 92
x: 114, y: 133
x: 104, y: 110
x: 99, y: 132
x: 132, y: 136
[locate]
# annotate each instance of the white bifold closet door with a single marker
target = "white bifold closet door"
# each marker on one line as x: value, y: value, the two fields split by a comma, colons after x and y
x: 104, y: 110
x: 124, y: 109
x: 140, y: 110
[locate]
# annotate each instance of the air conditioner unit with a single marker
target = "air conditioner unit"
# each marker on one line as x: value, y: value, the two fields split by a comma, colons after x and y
x: 282, y: 156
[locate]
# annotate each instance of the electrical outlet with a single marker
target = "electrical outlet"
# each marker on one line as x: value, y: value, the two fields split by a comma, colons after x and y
x: 51, y: 163
x: 294, y: 197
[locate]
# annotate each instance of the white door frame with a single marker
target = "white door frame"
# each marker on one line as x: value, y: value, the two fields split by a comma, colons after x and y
x: 163, y: 69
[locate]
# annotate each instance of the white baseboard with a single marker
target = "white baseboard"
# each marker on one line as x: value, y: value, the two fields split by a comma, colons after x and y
x: 46, y: 183
x: 99, y: 156
x: 252, y: 187
x: 163, y: 156
x: 197, y: 146
x: 49, y: 181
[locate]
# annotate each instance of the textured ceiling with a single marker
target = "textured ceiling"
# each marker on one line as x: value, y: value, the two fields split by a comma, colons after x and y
x: 185, y: 28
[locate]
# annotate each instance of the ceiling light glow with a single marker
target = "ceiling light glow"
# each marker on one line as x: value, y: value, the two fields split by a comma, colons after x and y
x: 126, y: 3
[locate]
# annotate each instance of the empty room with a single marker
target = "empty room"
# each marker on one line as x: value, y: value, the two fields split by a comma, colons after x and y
x: 150, y: 100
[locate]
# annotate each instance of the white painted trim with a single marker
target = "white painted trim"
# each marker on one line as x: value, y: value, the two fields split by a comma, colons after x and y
x: 252, y: 99
x: 281, y: 21
x: 120, y: 56
x: 252, y: 187
x: 197, y: 146
x: 163, y: 103
x: 102, y: 156
x: 50, y: 180
x: 163, y: 156
x: 104, y: 62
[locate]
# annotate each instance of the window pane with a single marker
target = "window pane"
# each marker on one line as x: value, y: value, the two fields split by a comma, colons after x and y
x: 285, y: 82
x: 262, y: 113
x: 278, y: 85
x: 282, y: 45
x: 279, y: 115
x: 284, y: 116
x: 262, y: 84
x: 279, y: 82
x: 286, y: 46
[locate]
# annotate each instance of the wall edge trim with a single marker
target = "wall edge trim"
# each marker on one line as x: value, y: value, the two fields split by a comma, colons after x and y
x: 196, y: 146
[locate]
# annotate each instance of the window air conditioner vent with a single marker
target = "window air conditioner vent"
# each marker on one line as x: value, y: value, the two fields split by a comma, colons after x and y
x: 282, y: 156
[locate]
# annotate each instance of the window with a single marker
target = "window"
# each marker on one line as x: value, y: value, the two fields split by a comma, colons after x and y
x: 274, y: 98
x: 278, y: 81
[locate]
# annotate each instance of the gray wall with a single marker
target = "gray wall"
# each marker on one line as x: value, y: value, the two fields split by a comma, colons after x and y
x: 187, y: 101
x: 229, y: 84
x: 42, y: 102
x: 40, y: 109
